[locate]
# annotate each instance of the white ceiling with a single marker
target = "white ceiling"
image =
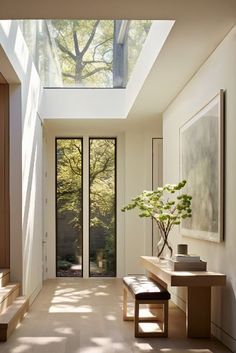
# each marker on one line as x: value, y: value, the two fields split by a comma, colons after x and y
x: 200, y: 26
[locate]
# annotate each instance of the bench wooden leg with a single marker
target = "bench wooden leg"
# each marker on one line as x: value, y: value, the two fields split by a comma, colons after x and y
x: 125, y: 306
x: 165, y: 319
x: 137, y: 320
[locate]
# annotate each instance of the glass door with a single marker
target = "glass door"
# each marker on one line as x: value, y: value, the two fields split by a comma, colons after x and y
x: 69, y: 207
x: 102, y: 207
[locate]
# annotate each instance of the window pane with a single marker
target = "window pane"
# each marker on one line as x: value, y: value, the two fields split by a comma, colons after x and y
x: 138, y: 31
x: 102, y: 221
x: 84, y: 53
x: 69, y: 201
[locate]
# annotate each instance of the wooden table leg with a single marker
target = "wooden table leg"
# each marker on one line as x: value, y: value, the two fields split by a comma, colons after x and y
x: 154, y: 307
x: 198, y: 314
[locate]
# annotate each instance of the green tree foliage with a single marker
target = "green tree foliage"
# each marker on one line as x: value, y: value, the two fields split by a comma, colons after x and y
x: 80, y: 52
x: 69, y: 179
x: 165, y: 210
x: 102, y: 189
x: 85, y: 51
x: 102, y: 195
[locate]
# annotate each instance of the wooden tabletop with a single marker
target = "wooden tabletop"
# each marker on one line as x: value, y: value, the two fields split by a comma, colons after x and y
x: 182, y: 278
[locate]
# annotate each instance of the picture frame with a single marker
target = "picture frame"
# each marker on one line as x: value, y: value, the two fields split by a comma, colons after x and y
x: 202, y: 165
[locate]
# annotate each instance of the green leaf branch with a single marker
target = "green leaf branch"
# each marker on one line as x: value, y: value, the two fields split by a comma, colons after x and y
x: 163, y: 207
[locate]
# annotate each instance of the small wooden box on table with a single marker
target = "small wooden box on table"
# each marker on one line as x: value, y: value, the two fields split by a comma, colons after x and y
x: 145, y: 291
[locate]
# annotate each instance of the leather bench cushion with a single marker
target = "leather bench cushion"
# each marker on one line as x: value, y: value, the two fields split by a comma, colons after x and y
x: 144, y: 288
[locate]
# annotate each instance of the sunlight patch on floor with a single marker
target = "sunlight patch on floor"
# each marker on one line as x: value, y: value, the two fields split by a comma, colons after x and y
x: 70, y: 309
x: 44, y: 344
x: 149, y: 327
x: 99, y: 294
x: 101, y: 341
x: 111, y: 317
x: 102, y: 286
x: 143, y: 346
x: 61, y: 291
x: 105, y: 344
x: 21, y: 348
x: 64, y: 330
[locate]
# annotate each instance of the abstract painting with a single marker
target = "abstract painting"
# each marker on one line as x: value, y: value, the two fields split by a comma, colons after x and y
x: 201, y: 164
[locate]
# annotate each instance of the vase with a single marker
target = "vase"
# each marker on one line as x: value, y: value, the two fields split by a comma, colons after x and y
x: 163, y: 248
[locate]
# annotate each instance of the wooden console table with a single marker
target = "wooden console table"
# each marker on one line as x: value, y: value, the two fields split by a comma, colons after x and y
x: 198, y: 283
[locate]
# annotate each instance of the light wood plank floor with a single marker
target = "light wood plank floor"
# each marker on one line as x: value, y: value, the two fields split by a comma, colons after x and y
x: 85, y: 316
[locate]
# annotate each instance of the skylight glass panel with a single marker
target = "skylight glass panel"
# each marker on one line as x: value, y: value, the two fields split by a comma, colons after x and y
x: 85, y: 53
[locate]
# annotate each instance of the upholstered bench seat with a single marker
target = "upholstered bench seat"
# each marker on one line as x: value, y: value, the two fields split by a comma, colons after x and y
x: 145, y: 291
x: 144, y: 288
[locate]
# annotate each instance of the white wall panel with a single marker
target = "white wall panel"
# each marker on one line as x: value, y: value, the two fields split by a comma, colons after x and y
x: 218, y: 72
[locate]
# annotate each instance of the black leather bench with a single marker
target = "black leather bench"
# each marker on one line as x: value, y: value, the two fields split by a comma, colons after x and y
x: 145, y: 291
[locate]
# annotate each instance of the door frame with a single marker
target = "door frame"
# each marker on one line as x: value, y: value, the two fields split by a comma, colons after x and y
x: 82, y: 185
x: 115, y: 210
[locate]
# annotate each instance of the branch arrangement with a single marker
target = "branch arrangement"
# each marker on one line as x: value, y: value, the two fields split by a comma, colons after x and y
x: 166, y: 210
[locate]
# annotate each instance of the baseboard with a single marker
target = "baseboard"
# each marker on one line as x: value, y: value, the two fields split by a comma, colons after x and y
x: 35, y: 293
x: 223, y: 337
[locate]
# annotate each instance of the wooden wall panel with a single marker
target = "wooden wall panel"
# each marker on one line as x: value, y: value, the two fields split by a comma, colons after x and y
x: 4, y: 178
x: 2, y: 78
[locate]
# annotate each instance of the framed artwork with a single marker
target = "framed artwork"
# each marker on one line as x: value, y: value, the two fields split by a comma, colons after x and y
x: 202, y: 165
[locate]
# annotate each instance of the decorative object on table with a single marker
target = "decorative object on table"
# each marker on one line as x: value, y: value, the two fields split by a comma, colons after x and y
x: 182, y: 249
x: 201, y: 164
x: 165, y: 210
x: 186, y: 257
x: 187, y: 262
x: 199, y: 265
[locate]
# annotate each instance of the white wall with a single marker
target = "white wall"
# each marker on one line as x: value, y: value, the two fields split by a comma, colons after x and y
x: 109, y: 103
x: 25, y: 160
x: 134, y: 142
x: 218, y: 72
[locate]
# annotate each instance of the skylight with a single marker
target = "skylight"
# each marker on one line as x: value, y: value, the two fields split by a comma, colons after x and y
x: 85, y: 53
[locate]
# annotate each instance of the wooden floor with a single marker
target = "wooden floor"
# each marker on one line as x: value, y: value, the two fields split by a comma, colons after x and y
x: 85, y: 316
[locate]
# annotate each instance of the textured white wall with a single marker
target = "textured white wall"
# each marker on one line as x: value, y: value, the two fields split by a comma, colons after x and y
x: 218, y: 72
x: 25, y: 159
